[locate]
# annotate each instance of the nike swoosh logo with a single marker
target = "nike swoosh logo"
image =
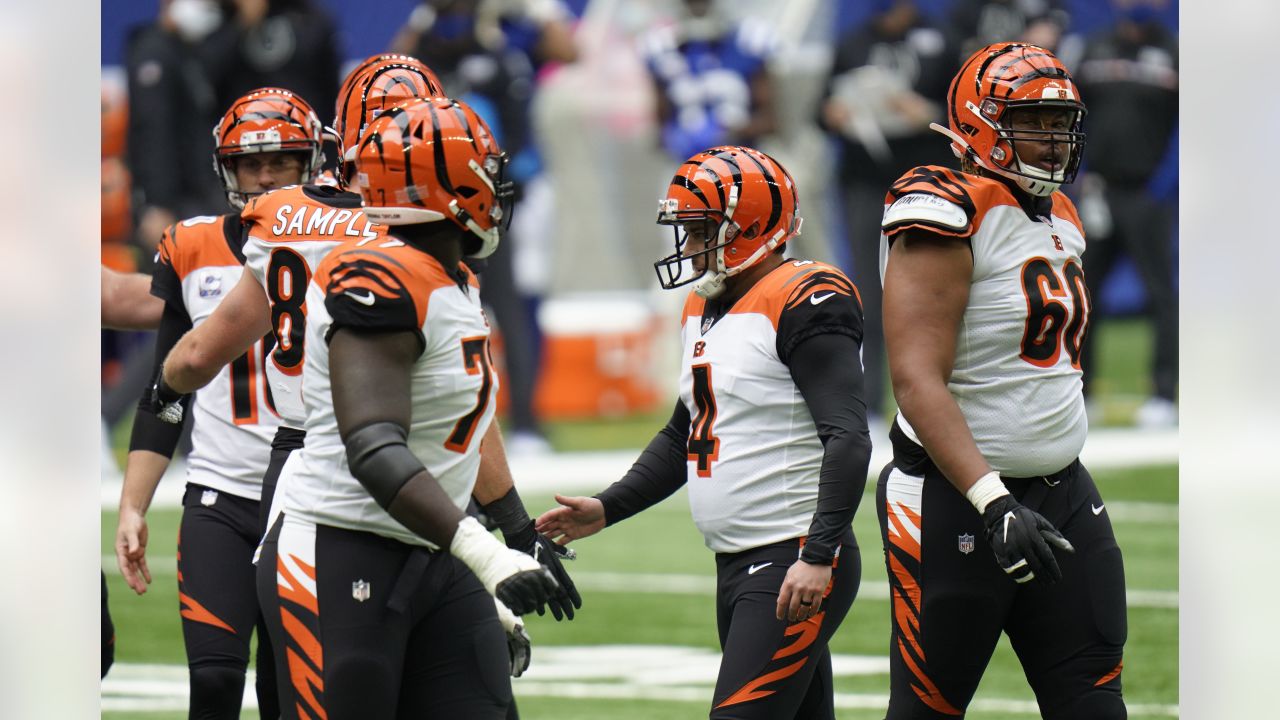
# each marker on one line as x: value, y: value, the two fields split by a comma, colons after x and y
x: 362, y: 299
x: 752, y: 570
x: 816, y: 299
x: 1097, y: 509
x: 1008, y: 518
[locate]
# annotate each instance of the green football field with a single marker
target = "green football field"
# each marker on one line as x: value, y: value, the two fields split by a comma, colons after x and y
x: 648, y: 590
x: 644, y: 645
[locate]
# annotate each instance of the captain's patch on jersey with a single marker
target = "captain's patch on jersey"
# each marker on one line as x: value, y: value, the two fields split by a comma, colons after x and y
x: 926, y: 208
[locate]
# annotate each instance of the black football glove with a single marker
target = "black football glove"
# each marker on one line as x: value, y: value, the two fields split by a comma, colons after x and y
x: 527, y: 590
x: 166, y: 402
x: 1020, y: 538
x: 517, y: 530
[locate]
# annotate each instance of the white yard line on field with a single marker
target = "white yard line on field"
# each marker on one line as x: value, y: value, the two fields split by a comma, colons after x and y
x: 614, y: 672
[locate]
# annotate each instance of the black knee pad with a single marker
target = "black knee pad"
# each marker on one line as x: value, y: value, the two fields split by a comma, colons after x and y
x: 216, y: 692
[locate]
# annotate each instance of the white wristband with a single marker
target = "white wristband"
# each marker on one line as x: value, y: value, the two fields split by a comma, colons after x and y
x: 988, y: 488
x: 487, y: 557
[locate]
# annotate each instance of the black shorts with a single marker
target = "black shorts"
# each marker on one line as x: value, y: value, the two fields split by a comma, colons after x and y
x: 773, y: 669
x: 951, y: 600
x: 285, y: 441
x: 216, y: 584
x: 375, y: 629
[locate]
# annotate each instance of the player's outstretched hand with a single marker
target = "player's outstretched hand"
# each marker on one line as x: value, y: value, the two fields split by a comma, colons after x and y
x: 550, y: 555
x: 1020, y: 538
x: 131, y: 550
x: 576, y: 518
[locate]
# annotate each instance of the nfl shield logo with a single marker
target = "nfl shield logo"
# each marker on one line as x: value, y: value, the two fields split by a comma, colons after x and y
x: 966, y: 544
x: 706, y: 324
x: 360, y: 590
x: 210, y: 284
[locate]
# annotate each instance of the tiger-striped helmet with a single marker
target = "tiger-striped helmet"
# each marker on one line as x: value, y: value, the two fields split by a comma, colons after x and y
x: 373, y: 87
x: 266, y: 120
x: 431, y: 159
x: 995, y: 82
x: 749, y: 205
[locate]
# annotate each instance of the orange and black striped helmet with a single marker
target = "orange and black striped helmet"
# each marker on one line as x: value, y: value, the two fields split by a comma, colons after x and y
x: 1002, y: 78
x: 374, y: 86
x: 749, y: 205
x: 431, y: 159
x: 266, y: 120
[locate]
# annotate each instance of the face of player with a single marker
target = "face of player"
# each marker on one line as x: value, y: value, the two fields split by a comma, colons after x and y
x: 1042, y: 153
x: 697, y: 235
x: 261, y: 172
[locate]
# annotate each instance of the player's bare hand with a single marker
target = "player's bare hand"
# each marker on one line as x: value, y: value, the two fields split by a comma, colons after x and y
x: 800, y: 597
x: 131, y: 550
x: 577, y: 517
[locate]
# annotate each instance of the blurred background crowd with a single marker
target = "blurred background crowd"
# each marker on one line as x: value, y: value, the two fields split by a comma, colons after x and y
x: 597, y: 101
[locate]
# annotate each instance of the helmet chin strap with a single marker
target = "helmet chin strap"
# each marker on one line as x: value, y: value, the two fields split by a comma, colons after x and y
x: 961, y: 148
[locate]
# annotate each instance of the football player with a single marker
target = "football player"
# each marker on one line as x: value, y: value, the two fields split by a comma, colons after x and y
x: 769, y: 433
x: 267, y: 139
x: 383, y: 584
x: 985, y: 308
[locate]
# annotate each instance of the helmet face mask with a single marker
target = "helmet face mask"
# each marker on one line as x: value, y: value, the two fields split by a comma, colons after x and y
x: 719, y: 191
x: 266, y: 120
x: 1005, y: 81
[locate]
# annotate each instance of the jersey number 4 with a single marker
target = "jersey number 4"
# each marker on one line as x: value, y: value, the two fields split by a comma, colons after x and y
x: 704, y: 446
x: 1051, y: 324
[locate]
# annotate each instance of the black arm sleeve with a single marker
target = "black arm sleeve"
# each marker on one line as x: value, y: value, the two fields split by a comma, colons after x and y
x: 150, y: 432
x: 827, y: 372
x: 659, y: 471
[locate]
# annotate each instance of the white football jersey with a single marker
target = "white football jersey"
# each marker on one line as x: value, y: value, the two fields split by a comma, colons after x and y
x: 199, y: 262
x: 754, y: 452
x: 290, y: 231
x: 385, y: 284
x: 1017, y: 375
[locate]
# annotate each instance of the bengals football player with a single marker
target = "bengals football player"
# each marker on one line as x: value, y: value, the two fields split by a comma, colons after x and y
x: 267, y: 139
x: 769, y: 432
x: 985, y: 308
x: 385, y: 586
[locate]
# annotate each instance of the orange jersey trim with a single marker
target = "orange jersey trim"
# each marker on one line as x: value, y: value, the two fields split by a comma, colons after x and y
x: 382, y: 268
x: 981, y: 194
x: 782, y: 288
x: 289, y: 215
x: 187, y: 248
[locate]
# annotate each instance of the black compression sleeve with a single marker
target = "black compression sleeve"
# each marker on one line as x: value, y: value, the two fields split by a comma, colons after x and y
x: 827, y: 372
x: 659, y: 471
x: 150, y: 432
